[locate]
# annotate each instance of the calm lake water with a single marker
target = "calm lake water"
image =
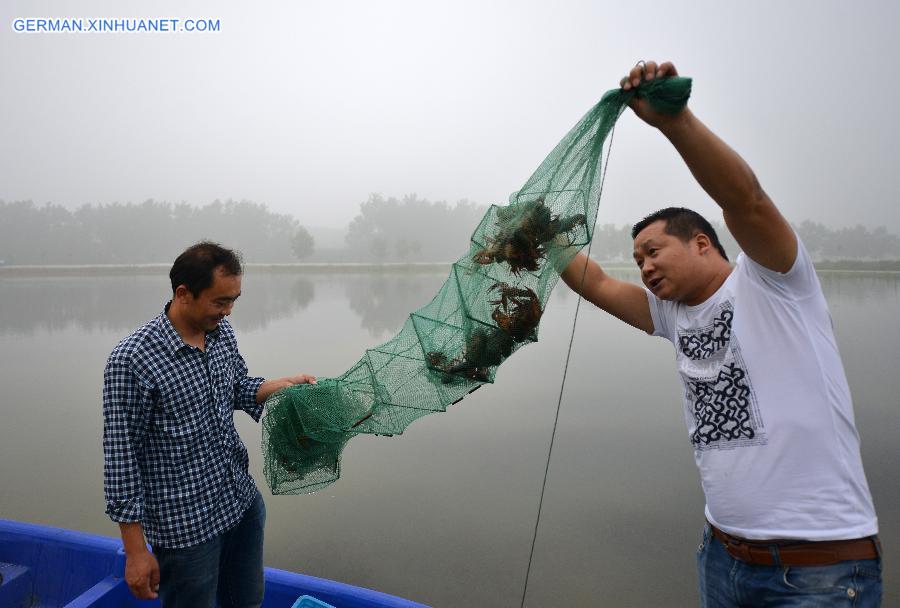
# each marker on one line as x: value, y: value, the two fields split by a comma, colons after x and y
x: 445, y: 513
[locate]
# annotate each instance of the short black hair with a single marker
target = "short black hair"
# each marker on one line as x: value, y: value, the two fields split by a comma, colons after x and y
x: 682, y: 223
x: 195, y: 267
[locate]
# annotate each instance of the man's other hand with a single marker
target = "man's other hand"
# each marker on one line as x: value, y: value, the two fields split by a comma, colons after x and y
x: 273, y: 386
x: 142, y: 574
x: 300, y: 379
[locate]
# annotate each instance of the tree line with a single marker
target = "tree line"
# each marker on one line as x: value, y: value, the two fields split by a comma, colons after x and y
x: 143, y: 233
x: 614, y: 243
x: 412, y: 229
x: 407, y: 229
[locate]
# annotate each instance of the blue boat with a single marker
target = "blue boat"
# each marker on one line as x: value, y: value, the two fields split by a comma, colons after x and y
x: 43, y: 567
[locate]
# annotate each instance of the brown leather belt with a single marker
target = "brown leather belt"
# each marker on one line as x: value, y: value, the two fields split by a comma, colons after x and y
x: 798, y: 553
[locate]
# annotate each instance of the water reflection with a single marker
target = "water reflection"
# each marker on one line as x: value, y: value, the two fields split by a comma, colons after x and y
x: 443, y: 514
x: 858, y: 287
x: 120, y: 304
x: 384, y: 300
x: 268, y: 297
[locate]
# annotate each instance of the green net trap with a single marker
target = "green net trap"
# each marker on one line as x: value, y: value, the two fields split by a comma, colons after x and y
x: 489, y: 307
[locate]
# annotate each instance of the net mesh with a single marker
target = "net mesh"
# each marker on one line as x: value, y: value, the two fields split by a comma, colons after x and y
x: 489, y: 307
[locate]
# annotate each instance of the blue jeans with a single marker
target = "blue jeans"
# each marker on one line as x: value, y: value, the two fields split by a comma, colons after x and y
x: 228, y: 568
x: 728, y: 582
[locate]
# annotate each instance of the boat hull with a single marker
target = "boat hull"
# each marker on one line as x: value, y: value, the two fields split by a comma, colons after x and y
x: 42, y: 566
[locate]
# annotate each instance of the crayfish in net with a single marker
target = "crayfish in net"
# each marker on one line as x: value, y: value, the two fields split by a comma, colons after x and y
x: 485, y: 347
x: 299, y: 449
x: 517, y: 314
x: 518, y: 311
x: 523, y: 230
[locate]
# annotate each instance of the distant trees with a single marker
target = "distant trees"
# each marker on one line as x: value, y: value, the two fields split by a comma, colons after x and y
x: 848, y: 243
x: 302, y: 243
x: 411, y: 229
x: 408, y: 229
x: 31, y: 235
x: 146, y: 232
x: 614, y: 244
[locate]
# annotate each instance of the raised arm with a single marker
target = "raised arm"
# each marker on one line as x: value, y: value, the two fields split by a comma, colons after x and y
x: 757, y: 225
x: 625, y: 301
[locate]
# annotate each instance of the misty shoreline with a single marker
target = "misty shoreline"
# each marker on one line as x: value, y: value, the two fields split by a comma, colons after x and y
x: 88, y: 270
x: 52, y: 270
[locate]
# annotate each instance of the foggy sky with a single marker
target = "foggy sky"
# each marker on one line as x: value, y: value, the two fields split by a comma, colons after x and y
x: 310, y: 106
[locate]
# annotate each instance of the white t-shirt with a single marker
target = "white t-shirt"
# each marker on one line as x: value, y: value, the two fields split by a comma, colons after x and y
x: 768, y: 408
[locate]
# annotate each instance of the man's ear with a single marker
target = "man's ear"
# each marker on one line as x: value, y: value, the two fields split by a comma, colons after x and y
x: 183, y: 294
x: 704, y: 244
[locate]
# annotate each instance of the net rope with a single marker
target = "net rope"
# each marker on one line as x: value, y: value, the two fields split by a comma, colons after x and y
x: 562, y: 387
x: 490, y: 306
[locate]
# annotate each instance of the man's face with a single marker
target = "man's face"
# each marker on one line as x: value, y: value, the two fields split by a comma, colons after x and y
x: 667, y: 263
x: 213, y: 303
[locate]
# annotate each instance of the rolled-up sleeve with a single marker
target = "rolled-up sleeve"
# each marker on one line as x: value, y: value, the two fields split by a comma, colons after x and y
x: 124, y: 427
x: 245, y: 389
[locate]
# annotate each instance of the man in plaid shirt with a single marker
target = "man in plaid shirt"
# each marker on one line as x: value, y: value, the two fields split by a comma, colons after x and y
x: 175, y: 470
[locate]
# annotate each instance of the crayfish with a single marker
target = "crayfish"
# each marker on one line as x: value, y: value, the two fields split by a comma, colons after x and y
x: 518, y: 311
x: 485, y: 348
x: 523, y: 230
x: 517, y: 314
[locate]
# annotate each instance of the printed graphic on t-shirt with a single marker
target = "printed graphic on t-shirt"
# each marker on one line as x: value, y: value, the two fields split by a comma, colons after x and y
x: 705, y: 342
x: 724, y: 407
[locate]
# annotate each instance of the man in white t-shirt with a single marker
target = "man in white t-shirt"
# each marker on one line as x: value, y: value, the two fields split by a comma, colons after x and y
x: 790, y: 519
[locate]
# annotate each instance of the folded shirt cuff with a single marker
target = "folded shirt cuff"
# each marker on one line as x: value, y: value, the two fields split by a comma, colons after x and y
x: 125, y: 511
x: 246, y: 399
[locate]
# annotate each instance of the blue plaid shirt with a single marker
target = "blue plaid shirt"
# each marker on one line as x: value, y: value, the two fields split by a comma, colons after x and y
x: 172, y: 458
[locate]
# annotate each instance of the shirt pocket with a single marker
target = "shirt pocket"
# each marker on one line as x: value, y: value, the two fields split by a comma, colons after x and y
x: 185, y: 411
x: 224, y: 377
